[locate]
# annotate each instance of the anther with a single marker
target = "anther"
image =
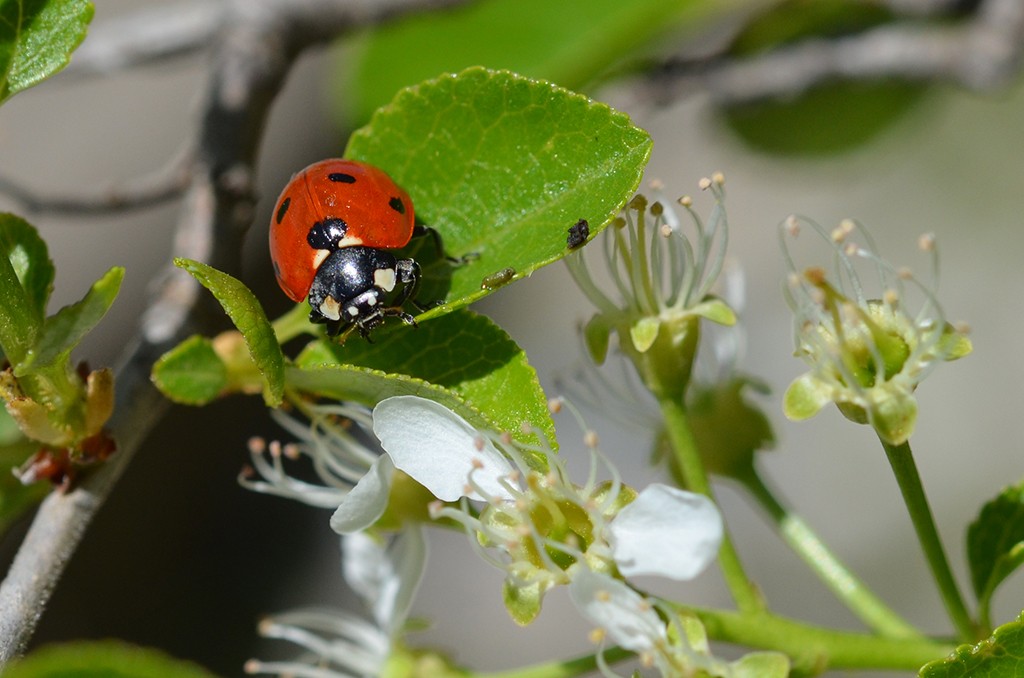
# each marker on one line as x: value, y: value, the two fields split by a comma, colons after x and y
x: 926, y: 242
x: 792, y: 225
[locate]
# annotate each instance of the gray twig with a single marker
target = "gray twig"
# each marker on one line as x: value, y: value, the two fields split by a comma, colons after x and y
x: 253, y: 50
x: 166, y: 184
x: 980, y: 53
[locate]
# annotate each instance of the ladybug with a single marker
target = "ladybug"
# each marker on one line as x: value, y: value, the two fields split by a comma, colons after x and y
x: 330, y: 233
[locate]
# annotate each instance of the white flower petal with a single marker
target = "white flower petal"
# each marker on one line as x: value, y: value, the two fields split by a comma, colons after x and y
x: 385, y: 575
x: 627, y: 617
x: 365, y: 502
x: 666, y: 531
x: 437, y: 448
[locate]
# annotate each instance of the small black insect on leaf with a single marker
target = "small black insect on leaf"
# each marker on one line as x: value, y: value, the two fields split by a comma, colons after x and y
x: 578, y: 234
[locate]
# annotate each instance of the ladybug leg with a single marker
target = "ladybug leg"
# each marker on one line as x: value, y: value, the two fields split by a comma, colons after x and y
x: 397, y: 312
x: 408, y: 273
x: 421, y: 231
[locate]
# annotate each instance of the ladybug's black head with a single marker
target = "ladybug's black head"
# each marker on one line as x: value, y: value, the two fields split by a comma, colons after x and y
x: 326, y: 234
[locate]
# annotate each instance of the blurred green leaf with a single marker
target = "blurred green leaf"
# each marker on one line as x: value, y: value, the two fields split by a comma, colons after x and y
x: 501, y: 167
x: 191, y: 373
x: 102, y: 659
x: 728, y: 428
x: 1000, y: 656
x: 791, y: 20
x: 26, y: 280
x: 828, y: 119
x: 570, y: 42
x: 63, y: 330
x: 995, y: 543
x: 832, y: 117
x: 462, y: 352
x: 250, y: 319
x: 37, y: 38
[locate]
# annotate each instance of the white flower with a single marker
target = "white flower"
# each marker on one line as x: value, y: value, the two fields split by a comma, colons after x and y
x: 339, y: 457
x: 543, y: 527
x: 339, y: 644
x: 626, y: 616
x: 870, y: 332
x: 439, y: 449
x: 666, y: 531
x: 638, y: 624
x: 387, y: 575
x: 661, y: 287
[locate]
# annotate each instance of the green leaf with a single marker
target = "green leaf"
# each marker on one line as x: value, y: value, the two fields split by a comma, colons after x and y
x: 102, y: 659
x: 26, y: 280
x: 191, y: 373
x: 37, y: 38
x: 248, y: 316
x: 995, y: 542
x: 501, y: 167
x: 364, y: 385
x: 1000, y: 656
x: 62, y: 331
x: 369, y: 387
x: 464, y: 353
x: 30, y: 258
x: 828, y: 119
x: 570, y: 42
x: 832, y: 117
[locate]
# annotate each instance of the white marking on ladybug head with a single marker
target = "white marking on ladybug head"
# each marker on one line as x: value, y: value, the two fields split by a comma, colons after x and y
x: 385, y: 278
x: 352, y: 310
x: 330, y: 308
x: 319, y: 257
x: 349, y: 241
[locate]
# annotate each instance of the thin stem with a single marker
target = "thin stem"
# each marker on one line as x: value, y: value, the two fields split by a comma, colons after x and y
x: 684, y: 447
x: 813, y: 649
x: 901, y: 459
x: 561, y: 669
x: 841, y: 581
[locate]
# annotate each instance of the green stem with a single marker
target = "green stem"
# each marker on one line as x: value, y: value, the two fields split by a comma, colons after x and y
x: 840, y: 580
x: 901, y: 459
x: 813, y: 649
x: 561, y: 669
x: 684, y: 447
x: 293, y: 324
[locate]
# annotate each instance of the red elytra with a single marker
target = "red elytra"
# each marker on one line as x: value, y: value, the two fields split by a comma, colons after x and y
x: 374, y: 210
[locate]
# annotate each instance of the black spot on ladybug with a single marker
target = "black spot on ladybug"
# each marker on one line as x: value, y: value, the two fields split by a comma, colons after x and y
x: 325, y: 235
x: 341, y: 178
x: 397, y: 205
x: 578, y: 234
x: 283, y: 209
x: 498, y: 278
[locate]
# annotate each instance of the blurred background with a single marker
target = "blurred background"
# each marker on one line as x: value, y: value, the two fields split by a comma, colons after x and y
x: 184, y: 559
